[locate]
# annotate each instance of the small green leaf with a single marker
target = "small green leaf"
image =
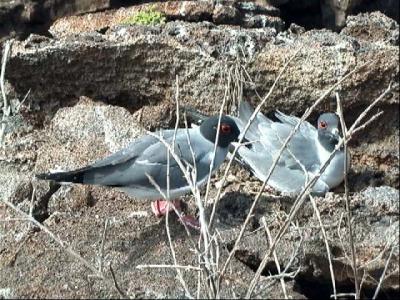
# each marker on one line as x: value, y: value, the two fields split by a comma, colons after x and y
x: 146, y: 17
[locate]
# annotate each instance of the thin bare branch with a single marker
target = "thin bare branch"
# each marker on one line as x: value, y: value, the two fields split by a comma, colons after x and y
x: 382, y: 278
x: 369, y: 121
x: 250, y: 213
x: 171, y: 245
x: 302, y: 196
x: 328, y: 249
x: 6, y: 106
x: 372, y: 105
x: 257, y: 109
x: 103, y: 238
x: 116, y: 285
x: 221, y: 110
x: 278, y: 267
x: 193, y: 188
x: 347, y: 200
x: 169, y: 267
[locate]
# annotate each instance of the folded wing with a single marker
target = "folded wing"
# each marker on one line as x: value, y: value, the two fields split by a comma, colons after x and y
x: 269, y: 136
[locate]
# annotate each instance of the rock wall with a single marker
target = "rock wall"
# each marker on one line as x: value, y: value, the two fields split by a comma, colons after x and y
x: 21, y: 17
x: 139, y: 66
x: 95, y: 84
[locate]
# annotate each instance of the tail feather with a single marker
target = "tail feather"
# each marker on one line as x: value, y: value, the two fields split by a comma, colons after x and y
x: 194, y: 115
x: 72, y: 176
x: 245, y: 110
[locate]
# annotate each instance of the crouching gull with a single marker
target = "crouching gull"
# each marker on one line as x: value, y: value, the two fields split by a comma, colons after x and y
x: 307, y: 151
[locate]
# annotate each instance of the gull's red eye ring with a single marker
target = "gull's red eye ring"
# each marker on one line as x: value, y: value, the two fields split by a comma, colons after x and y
x: 323, y: 124
x: 225, y: 128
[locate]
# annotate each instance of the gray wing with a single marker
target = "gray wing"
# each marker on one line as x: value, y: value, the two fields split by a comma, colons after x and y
x: 288, y: 175
x: 306, y: 129
x: 116, y: 169
x: 147, y: 156
x: 133, y: 150
x: 302, y: 145
x: 154, y: 162
x: 284, y: 179
x: 271, y: 136
x: 254, y: 131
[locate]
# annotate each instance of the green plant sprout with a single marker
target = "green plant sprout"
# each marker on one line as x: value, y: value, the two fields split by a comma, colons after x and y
x: 146, y: 17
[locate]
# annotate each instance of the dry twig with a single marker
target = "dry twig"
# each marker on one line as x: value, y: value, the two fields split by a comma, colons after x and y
x: 299, y: 201
x: 102, y: 246
x: 169, y: 267
x: 278, y: 267
x: 116, y: 285
x: 347, y: 200
x: 328, y: 249
x: 6, y: 105
x: 382, y: 278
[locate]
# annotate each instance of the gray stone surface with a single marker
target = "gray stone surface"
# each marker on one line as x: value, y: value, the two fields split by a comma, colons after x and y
x: 18, y: 18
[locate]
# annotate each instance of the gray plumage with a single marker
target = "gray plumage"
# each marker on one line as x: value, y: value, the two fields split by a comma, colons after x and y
x: 129, y: 168
x: 309, y: 147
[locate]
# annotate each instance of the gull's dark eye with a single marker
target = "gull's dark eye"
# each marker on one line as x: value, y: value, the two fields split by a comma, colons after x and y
x: 225, y: 128
x: 322, y: 124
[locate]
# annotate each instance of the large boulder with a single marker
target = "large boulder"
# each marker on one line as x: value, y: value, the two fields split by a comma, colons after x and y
x: 20, y: 17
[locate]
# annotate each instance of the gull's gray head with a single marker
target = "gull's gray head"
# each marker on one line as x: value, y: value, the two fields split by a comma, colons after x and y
x: 328, y: 130
x: 228, y: 130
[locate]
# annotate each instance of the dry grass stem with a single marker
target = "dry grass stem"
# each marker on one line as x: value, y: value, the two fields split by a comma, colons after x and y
x: 216, y: 138
x: 344, y: 295
x: 321, y: 226
x: 354, y: 128
x: 347, y: 200
x: 190, y: 174
x: 116, y: 285
x: 6, y: 105
x: 300, y: 199
x: 169, y: 267
x: 328, y: 249
x: 382, y: 278
x: 249, y: 122
x: 103, y: 238
x: 167, y: 197
x: 208, y: 250
x: 171, y: 245
x: 278, y: 267
x: 190, y: 182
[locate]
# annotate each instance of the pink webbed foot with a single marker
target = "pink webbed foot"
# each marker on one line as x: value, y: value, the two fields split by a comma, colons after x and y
x: 161, y: 207
x: 190, y: 221
x: 269, y: 189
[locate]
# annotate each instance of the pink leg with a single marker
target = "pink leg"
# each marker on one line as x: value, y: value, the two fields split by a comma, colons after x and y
x: 269, y: 189
x: 161, y: 207
x: 190, y: 221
